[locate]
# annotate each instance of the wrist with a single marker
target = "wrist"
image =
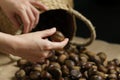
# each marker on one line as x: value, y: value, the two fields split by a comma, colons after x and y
x: 8, y: 43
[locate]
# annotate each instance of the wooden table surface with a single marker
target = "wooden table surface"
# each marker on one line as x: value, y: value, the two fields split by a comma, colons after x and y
x: 112, y: 50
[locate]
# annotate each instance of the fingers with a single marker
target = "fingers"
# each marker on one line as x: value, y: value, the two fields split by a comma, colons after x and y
x: 31, y: 18
x: 56, y: 45
x: 30, y: 15
x: 25, y: 19
x: 59, y: 45
x: 48, y: 32
x: 39, y: 5
x: 36, y: 14
x: 52, y: 45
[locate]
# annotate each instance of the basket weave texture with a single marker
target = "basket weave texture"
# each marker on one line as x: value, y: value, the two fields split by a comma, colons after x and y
x: 58, y: 4
x: 7, y: 27
x: 66, y: 5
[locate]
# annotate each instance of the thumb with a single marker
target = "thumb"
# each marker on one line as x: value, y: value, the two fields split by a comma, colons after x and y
x: 48, y: 32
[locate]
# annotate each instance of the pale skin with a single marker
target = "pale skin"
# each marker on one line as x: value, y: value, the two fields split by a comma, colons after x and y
x: 25, y: 9
x: 31, y: 46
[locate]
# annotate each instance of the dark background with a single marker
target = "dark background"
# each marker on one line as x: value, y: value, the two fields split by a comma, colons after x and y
x: 105, y: 16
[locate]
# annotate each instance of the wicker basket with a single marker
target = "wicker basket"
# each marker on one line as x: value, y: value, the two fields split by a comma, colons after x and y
x: 60, y: 14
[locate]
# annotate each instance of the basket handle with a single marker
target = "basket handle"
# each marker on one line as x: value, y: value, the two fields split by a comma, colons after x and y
x: 85, y: 20
x: 88, y: 24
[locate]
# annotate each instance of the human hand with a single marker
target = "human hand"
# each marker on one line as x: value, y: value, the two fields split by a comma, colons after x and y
x: 25, y: 9
x: 35, y: 46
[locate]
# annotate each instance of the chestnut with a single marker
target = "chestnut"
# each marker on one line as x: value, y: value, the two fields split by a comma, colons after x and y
x: 57, y: 37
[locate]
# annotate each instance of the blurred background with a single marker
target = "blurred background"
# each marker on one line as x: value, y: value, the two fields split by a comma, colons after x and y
x: 105, y: 16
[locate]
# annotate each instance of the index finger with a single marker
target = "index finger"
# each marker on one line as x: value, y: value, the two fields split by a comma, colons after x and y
x: 25, y: 20
x: 59, y: 45
x: 39, y: 5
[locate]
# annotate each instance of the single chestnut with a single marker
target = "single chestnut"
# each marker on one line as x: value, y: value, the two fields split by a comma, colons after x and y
x: 57, y: 37
x: 20, y: 74
x: 35, y: 75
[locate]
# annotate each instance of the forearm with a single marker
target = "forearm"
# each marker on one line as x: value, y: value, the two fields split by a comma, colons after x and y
x: 7, y: 43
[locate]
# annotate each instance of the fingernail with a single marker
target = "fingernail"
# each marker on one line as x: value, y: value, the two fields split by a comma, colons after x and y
x: 53, y: 28
x: 46, y: 8
x: 67, y: 39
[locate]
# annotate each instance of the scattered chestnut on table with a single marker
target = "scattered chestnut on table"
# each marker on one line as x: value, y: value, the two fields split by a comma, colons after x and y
x: 72, y: 63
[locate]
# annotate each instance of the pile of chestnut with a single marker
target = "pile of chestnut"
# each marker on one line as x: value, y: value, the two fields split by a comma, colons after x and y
x: 74, y: 62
